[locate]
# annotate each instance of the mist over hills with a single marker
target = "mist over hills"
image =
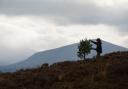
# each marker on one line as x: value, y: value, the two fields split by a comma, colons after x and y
x: 58, y: 55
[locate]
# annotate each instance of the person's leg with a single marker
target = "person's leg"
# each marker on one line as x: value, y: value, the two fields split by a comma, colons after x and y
x: 98, y: 55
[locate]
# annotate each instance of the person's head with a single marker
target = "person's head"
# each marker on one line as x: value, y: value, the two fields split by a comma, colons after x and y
x: 98, y: 40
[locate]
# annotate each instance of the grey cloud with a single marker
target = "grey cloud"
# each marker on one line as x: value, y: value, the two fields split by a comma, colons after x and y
x: 66, y: 11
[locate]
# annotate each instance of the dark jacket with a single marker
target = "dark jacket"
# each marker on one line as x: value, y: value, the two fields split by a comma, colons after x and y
x: 98, y: 46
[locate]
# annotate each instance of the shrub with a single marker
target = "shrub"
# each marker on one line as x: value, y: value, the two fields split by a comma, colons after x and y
x: 84, y: 49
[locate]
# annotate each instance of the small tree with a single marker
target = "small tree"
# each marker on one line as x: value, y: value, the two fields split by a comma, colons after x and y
x: 84, y: 49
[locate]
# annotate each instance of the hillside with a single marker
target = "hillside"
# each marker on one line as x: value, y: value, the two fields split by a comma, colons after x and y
x: 64, y: 53
x: 108, y: 72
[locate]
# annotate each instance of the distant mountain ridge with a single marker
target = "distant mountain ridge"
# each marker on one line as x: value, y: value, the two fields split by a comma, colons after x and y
x: 64, y: 53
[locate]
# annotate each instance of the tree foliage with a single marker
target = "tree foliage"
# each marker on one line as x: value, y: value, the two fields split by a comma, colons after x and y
x: 84, y: 48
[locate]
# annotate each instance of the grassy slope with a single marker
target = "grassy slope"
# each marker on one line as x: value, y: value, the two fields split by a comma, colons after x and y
x: 107, y: 72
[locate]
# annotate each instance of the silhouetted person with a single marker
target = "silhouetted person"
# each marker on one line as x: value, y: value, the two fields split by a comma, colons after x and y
x: 98, y: 48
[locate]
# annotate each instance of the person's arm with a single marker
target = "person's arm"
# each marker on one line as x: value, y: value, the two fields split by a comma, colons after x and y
x: 93, y: 42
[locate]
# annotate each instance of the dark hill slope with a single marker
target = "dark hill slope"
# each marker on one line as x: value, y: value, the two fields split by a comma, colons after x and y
x: 108, y: 72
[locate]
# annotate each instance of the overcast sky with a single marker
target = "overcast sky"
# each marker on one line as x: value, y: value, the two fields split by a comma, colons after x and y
x: 28, y: 26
